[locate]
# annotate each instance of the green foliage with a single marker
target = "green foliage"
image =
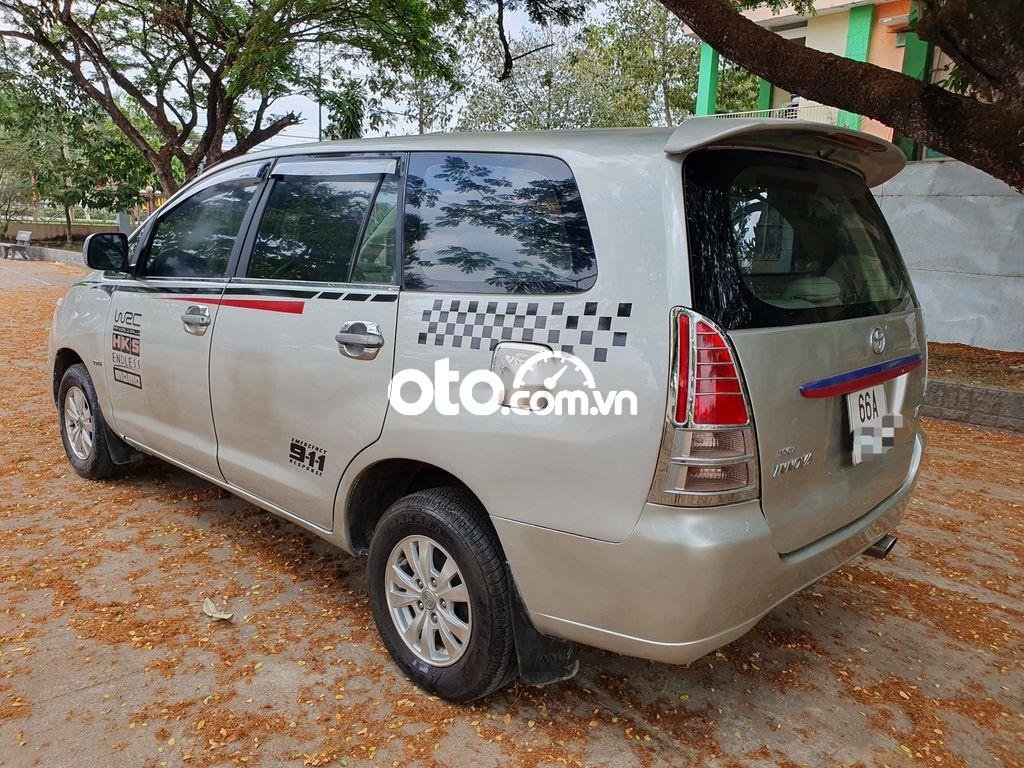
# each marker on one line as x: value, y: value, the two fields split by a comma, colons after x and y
x: 207, y: 76
x: 346, y: 110
x: 58, y: 147
x: 633, y: 66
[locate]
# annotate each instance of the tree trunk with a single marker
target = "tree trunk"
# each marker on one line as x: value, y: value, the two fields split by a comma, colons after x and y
x: 67, y: 224
x: 662, y: 59
x: 988, y: 136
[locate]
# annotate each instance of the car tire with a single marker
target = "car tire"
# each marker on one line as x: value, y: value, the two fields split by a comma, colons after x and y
x: 83, y: 429
x: 442, y: 656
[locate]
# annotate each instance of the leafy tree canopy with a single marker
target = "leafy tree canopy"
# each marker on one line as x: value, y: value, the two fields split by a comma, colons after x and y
x: 630, y: 66
x: 62, y: 147
x: 207, y: 74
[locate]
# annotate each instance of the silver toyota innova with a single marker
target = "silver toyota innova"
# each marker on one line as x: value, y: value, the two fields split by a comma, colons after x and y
x: 625, y: 388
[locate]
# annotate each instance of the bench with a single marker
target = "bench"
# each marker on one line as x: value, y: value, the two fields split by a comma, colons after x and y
x: 18, y: 247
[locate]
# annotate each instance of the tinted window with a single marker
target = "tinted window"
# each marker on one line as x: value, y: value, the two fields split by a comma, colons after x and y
x: 781, y: 240
x: 310, y: 228
x: 196, y: 237
x: 376, y: 260
x: 493, y: 223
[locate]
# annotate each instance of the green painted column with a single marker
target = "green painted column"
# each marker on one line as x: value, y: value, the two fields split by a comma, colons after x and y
x: 917, y: 57
x: 764, y: 95
x: 707, y: 81
x: 858, y: 38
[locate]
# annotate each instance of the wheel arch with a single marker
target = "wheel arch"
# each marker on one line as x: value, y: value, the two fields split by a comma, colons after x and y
x: 381, y: 484
x: 64, y: 358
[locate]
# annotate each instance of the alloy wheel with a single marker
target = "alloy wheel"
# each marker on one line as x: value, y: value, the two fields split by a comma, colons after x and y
x: 429, y: 600
x: 79, y: 425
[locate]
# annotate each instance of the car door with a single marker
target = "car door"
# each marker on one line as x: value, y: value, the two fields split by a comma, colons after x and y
x: 160, y: 321
x: 303, y: 350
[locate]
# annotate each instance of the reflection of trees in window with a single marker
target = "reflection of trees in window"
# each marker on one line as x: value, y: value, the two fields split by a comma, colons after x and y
x: 515, y: 223
x: 309, y: 229
x: 466, y: 177
x: 195, y: 239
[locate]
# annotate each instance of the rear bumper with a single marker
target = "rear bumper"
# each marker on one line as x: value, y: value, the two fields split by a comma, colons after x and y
x: 686, y: 581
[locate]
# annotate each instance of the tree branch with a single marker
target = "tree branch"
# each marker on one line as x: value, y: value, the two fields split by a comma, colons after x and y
x: 262, y: 134
x: 988, y: 136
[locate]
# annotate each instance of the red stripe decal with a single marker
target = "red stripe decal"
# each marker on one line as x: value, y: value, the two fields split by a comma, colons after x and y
x: 288, y: 307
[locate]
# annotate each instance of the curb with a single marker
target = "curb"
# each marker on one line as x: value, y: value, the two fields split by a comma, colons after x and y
x: 971, y: 404
x: 56, y: 254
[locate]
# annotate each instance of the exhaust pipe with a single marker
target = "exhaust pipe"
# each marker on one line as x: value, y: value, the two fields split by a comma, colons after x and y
x: 882, y: 547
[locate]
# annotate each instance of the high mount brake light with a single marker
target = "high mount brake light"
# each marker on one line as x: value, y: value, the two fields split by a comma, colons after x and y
x: 708, y: 449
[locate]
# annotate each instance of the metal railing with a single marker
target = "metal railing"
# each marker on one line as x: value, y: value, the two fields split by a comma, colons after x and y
x: 818, y: 113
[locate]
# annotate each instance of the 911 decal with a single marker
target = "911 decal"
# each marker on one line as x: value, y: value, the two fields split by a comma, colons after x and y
x: 126, y: 348
x: 310, y: 457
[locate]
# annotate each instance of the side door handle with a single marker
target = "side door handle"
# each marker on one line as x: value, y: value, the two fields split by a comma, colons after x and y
x: 196, y: 319
x: 360, y: 339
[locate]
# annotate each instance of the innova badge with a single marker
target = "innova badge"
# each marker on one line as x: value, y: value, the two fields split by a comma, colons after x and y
x: 877, y: 340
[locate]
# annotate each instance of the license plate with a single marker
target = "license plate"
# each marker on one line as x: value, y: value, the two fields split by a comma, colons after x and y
x: 866, y: 409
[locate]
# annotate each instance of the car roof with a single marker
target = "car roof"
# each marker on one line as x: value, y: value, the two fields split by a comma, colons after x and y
x: 594, y: 141
x: 879, y: 164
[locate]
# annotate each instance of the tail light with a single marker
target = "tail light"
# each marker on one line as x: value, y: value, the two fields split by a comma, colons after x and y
x: 708, y: 445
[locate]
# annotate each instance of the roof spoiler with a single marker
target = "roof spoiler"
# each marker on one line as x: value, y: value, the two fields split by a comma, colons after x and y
x: 873, y: 158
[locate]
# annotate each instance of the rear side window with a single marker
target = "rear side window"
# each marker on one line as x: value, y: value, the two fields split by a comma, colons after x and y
x: 495, y: 223
x: 784, y: 240
x: 375, y: 262
x: 310, y: 229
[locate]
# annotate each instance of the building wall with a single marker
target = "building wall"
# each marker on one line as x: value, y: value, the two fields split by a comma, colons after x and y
x: 883, y: 52
x: 827, y: 32
x: 824, y: 32
x: 53, y: 230
x: 961, y: 233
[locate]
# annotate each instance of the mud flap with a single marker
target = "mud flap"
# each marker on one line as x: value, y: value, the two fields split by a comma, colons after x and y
x: 121, y: 453
x: 542, y: 659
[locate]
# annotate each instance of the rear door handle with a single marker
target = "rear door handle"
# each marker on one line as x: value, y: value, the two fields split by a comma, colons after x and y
x: 196, y: 319
x: 360, y: 339
x: 374, y: 340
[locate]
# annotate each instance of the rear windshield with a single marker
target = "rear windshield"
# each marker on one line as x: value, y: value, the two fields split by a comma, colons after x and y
x: 779, y: 239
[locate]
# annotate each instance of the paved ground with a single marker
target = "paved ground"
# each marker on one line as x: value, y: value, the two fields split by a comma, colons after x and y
x: 107, y: 660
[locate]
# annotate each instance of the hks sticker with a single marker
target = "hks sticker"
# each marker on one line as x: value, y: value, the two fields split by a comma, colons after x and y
x: 126, y: 348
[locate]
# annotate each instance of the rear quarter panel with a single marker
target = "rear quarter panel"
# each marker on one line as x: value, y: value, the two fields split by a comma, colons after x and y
x: 588, y: 475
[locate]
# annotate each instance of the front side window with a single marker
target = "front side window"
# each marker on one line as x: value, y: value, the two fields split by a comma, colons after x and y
x: 782, y: 240
x: 134, y: 246
x: 196, y: 237
x: 310, y: 228
x: 495, y: 223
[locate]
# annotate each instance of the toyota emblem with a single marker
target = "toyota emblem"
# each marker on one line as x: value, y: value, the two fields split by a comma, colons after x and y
x: 877, y: 340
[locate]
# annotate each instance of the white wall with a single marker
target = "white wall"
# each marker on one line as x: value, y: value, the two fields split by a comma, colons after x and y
x: 827, y: 32
x: 961, y: 233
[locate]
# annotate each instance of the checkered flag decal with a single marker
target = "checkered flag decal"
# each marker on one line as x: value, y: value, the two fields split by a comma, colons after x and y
x: 481, y: 324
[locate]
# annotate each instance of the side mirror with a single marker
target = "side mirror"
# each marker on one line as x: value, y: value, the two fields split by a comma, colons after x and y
x: 107, y: 251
